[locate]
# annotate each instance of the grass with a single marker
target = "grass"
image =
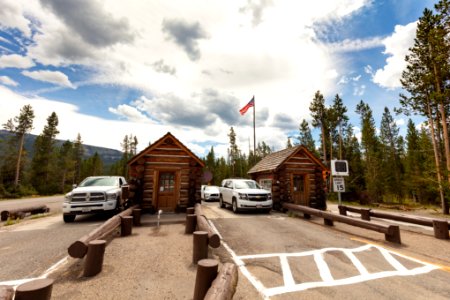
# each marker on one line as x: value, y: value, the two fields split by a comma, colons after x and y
x: 9, y: 221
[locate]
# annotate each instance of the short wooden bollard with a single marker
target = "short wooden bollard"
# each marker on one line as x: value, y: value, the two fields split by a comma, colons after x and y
x: 393, y: 234
x: 206, y: 273
x: 365, y: 214
x: 342, y: 210
x: 126, y: 225
x: 328, y: 222
x: 190, y: 210
x: 441, y: 229
x: 191, y: 223
x: 39, y: 289
x: 94, y: 258
x: 6, y: 292
x: 200, y: 246
x: 306, y: 216
x: 137, y: 216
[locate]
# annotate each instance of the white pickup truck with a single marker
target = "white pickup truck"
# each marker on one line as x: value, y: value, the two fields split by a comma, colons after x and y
x: 244, y: 194
x: 94, y: 194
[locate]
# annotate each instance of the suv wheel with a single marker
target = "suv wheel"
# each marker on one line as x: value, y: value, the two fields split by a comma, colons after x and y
x: 222, y: 205
x: 235, y: 207
x: 69, y: 218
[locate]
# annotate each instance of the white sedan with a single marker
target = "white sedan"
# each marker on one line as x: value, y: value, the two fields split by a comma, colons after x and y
x: 210, y: 193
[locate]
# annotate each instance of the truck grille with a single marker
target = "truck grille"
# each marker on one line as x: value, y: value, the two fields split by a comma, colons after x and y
x: 82, y: 197
x: 257, y: 197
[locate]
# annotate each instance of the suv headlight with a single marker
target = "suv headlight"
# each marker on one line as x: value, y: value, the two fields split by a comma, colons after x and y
x: 111, y: 196
x: 269, y: 196
x: 68, y: 197
x: 243, y: 196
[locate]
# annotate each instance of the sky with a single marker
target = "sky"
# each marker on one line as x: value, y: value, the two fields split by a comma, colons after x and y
x: 144, y: 68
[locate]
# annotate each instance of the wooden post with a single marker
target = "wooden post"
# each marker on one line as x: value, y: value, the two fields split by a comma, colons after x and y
x: 365, y: 214
x: 6, y: 292
x: 200, y: 246
x: 224, y: 286
x: 342, y: 210
x: 94, y: 259
x: 328, y: 222
x: 190, y: 210
x: 38, y: 289
x: 213, y: 237
x: 137, y: 216
x: 206, y: 273
x: 441, y: 229
x: 191, y: 223
x: 306, y: 216
x: 393, y: 234
x: 126, y: 225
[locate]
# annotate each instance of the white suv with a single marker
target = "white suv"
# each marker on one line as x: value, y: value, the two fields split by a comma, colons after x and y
x: 244, y: 194
x: 94, y: 194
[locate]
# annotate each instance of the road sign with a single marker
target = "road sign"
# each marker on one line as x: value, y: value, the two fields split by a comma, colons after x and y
x: 339, y: 167
x: 338, y: 184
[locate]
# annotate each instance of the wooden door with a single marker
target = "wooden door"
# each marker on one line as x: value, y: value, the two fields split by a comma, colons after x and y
x: 299, y: 188
x: 167, y: 200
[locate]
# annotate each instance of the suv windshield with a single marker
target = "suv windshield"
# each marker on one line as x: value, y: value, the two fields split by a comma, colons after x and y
x: 99, y: 181
x: 246, y: 184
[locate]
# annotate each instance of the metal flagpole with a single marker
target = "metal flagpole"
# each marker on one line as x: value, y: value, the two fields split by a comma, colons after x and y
x: 254, y: 131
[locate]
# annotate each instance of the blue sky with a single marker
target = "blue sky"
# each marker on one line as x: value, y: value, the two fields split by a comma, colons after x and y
x: 113, y: 68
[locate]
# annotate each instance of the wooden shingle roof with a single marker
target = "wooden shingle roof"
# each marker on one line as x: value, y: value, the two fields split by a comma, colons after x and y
x: 274, y: 160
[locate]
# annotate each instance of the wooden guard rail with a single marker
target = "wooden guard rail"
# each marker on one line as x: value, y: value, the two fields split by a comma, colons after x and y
x: 79, y: 248
x: 21, y: 212
x: 203, y: 225
x: 441, y: 226
x: 391, y: 232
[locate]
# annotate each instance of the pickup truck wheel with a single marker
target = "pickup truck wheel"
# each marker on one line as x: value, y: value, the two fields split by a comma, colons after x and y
x: 235, y: 207
x: 222, y: 205
x: 69, y: 218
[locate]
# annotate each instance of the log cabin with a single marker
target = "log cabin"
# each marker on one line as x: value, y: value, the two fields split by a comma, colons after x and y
x: 166, y: 175
x: 293, y: 175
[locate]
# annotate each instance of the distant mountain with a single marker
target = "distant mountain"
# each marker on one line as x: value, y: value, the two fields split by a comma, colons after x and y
x: 108, y: 156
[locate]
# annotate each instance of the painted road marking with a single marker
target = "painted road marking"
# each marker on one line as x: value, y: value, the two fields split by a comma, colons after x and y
x: 289, y: 284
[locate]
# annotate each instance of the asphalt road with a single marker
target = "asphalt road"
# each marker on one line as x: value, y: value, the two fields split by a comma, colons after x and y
x: 30, y: 248
x: 291, y: 258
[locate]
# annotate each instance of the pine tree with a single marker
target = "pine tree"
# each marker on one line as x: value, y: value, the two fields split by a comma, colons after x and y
x: 371, y: 146
x: 305, y: 137
x: 43, y: 163
x: 22, y: 124
x: 339, y: 119
x: 319, y: 120
x: 66, y: 164
x: 78, y: 153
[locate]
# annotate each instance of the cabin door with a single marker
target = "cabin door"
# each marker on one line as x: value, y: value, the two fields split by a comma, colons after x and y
x: 167, y: 200
x: 299, y: 189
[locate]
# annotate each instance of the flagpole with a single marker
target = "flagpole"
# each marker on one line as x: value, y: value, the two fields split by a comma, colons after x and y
x: 254, y: 130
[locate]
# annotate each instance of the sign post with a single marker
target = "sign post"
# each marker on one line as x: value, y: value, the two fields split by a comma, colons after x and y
x: 339, y: 168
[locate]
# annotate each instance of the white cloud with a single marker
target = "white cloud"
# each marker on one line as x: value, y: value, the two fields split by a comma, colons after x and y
x: 397, y: 46
x: 16, y: 61
x: 55, y: 77
x: 130, y: 113
x: 12, y: 16
x: 356, y: 45
x: 359, y: 90
x: 8, y: 81
x: 400, y: 122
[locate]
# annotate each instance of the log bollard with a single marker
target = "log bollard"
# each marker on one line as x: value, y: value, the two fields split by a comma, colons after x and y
x: 206, y: 273
x: 365, y: 214
x: 191, y: 223
x: 6, y: 292
x: 38, y: 289
x: 94, y: 258
x: 342, y: 210
x: 328, y: 222
x: 126, y: 225
x: 200, y: 246
x: 441, y: 229
x: 190, y: 210
x: 137, y: 216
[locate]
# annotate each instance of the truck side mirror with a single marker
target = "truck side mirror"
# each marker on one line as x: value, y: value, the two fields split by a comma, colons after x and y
x: 74, y: 186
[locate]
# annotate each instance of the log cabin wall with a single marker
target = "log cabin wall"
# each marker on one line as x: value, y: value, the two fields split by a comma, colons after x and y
x: 170, y: 175
x: 296, y: 177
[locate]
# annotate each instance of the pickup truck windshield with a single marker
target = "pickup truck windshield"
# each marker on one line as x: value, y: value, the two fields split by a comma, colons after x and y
x: 247, y: 184
x: 100, y: 182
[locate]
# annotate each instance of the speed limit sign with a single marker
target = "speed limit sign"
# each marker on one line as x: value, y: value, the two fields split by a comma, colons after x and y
x: 338, y: 184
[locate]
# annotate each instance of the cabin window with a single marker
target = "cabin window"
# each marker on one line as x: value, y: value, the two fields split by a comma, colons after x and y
x: 266, y: 184
x: 299, y: 183
x: 167, y: 182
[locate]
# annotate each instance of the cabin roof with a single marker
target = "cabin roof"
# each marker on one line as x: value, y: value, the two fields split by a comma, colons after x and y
x: 274, y: 160
x: 159, y: 142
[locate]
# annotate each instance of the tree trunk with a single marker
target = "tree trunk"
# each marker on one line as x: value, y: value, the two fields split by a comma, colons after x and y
x: 324, y: 148
x: 436, y: 155
x: 19, y: 159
